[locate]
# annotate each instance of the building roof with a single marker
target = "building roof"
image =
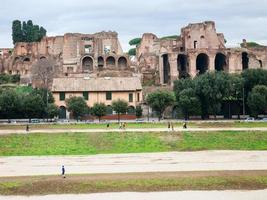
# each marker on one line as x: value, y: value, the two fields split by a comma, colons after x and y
x: 99, y: 84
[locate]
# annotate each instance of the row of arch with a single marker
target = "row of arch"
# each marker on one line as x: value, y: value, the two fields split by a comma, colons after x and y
x: 109, y: 62
x: 202, y: 64
x: 63, y: 111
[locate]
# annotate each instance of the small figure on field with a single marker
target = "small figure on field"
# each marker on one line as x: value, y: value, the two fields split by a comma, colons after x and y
x: 120, y: 126
x: 172, y: 126
x: 169, y: 126
x: 107, y: 125
x: 124, y: 125
x: 185, y: 125
x: 27, y: 128
x: 63, y: 172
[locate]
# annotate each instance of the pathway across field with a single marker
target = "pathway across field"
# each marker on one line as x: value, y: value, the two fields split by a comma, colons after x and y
x: 10, y: 131
x: 143, y: 162
x: 185, y: 195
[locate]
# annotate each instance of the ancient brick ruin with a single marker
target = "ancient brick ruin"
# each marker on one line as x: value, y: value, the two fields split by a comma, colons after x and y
x: 199, y: 48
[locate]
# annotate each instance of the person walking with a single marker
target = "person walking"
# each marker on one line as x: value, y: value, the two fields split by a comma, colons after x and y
x: 63, y: 171
x: 169, y: 126
x: 184, y: 125
x: 27, y: 128
x: 172, y: 126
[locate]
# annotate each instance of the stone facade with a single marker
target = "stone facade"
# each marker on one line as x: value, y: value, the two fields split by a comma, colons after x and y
x: 75, y: 54
x: 198, y: 49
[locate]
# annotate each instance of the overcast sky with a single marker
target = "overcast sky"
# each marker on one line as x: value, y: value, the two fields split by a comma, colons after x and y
x: 237, y: 19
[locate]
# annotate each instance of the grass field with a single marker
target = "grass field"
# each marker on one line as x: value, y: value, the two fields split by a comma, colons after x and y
x: 196, y: 124
x: 141, y: 182
x: 104, y: 143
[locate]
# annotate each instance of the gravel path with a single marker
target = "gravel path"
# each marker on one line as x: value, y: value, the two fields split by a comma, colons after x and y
x: 142, y: 162
x: 186, y: 195
x: 10, y: 131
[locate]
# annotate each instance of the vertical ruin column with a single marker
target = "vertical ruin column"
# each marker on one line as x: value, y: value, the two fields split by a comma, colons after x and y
x: 211, y: 63
x: 161, y: 69
x: 192, y: 65
x: 174, y: 74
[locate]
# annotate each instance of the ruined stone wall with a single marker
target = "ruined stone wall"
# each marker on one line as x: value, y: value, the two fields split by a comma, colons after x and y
x: 202, y: 35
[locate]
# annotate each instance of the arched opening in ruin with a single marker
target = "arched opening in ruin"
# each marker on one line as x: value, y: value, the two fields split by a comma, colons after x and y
x: 202, y: 63
x: 100, y: 62
x: 182, y: 66
x: 87, y: 63
x: 26, y: 60
x: 245, y: 60
x: 16, y: 60
x: 260, y: 61
x: 111, y: 62
x: 220, y: 62
x: 166, y: 69
x: 62, y: 112
x: 122, y: 62
x: 42, y: 58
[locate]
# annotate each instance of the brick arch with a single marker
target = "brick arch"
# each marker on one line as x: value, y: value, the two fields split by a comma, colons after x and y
x: 87, y: 63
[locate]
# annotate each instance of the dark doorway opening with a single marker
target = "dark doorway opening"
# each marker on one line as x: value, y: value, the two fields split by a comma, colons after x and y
x: 245, y: 60
x: 182, y: 66
x: 166, y: 69
x: 202, y: 63
x: 100, y: 62
x: 220, y: 62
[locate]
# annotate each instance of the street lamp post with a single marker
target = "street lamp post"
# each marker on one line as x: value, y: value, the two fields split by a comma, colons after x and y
x: 244, y: 109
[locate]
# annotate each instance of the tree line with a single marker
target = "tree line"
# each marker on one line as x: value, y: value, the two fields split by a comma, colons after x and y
x: 205, y: 94
x: 78, y: 107
x: 27, y: 31
x: 26, y: 102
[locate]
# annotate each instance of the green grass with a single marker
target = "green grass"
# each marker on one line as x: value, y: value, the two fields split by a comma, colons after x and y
x: 85, y: 184
x: 104, y: 143
x: 137, y: 125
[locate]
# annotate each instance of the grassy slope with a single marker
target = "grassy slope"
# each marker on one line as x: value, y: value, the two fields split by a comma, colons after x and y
x: 96, y: 143
x: 141, y: 182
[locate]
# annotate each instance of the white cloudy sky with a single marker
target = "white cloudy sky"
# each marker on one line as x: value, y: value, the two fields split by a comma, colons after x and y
x: 237, y: 19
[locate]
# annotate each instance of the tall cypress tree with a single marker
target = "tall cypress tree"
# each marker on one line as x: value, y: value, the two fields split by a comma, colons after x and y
x: 42, y: 33
x: 29, y: 31
x: 17, y: 34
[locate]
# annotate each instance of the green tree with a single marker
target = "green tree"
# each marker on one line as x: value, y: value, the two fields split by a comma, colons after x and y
x: 77, y: 106
x: 99, y: 110
x: 160, y: 100
x: 52, y: 110
x: 211, y: 88
x: 188, y: 102
x: 9, y: 104
x: 132, y: 52
x: 253, y: 77
x: 182, y: 84
x: 17, y: 35
x: 42, y: 33
x: 138, y: 111
x: 120, y: 107
x: 29, y: 31
x: 135, y: 41
x: 257, y: 100
x: 33, y: 106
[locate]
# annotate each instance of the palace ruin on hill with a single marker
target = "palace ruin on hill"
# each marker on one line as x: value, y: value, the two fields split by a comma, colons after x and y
x: 199, y: 48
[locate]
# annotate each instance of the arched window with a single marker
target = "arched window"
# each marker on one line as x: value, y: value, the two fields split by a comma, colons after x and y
x: 110, y: 62
x: 122, y: 62
x: 87, y: 64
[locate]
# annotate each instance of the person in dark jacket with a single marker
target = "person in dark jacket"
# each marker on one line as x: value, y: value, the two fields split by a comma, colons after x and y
x: 63, y: 171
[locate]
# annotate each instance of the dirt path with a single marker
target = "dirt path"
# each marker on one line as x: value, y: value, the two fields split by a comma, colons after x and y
x: 186, y: 195
x: 10, y: 131
x: 143, y: 162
